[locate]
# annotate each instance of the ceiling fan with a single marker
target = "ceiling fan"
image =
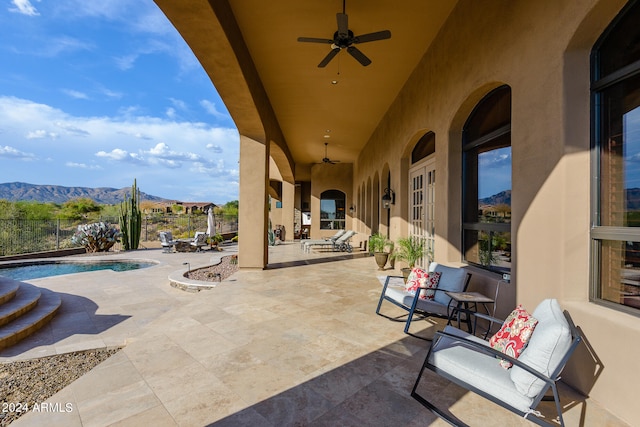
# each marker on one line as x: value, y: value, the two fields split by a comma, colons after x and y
x: 326, y: 159
x: 344, y: 39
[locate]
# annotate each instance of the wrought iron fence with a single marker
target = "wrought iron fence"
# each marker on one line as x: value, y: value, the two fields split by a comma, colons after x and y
x: 25, y: 236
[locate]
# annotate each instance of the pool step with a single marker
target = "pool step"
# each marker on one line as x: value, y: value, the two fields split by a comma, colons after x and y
x: 8, y: 289
x: 29, y: 309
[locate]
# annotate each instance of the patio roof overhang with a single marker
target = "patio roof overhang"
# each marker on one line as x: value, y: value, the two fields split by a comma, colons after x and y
x: 272, y: 86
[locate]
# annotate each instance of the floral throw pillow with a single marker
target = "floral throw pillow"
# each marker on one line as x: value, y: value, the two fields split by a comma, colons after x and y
x: 428, y: 286
x: 514, y: 334
x: 413, y: 281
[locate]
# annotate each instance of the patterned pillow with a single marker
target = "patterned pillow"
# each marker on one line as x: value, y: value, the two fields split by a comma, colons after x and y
x: 413, y: 281
x: 428, y: 286
x: 514, y: 334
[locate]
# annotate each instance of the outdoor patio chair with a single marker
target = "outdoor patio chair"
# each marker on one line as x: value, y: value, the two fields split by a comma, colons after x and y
x: 199, y: 240
x: 452, y: 279
x: 343, y: 243
x: 167, y: 242
x: 475, y: 365
x: 325, y: 241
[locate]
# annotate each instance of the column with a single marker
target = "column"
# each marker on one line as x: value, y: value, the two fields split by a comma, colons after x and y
x: 288, y: 206
x: 253, y: 215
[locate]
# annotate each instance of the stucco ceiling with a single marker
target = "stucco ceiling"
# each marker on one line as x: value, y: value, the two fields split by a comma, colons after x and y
x: 306, y: 104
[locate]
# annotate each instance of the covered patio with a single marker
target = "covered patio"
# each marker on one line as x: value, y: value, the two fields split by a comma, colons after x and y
x: 295, y: 344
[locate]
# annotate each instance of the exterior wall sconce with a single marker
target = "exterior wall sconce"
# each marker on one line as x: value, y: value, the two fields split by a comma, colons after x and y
x: 389, y: 198
x: 352, y: 209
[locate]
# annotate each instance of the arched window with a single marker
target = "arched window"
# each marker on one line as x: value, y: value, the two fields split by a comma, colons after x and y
x: 332, y: 210
x: 615, y: 236
x: 486, y: 182
x: 424, y: 147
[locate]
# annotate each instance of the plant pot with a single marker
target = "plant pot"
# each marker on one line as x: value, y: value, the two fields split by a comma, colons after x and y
x: 405, y: 273
x: 381, y: 259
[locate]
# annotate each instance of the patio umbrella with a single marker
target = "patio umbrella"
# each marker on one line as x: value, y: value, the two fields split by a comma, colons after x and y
x: 211, y: 225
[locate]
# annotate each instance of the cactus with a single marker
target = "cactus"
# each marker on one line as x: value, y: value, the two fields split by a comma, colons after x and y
x: 131, y: 219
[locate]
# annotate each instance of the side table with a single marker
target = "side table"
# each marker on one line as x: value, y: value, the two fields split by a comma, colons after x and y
x: 466, y: 302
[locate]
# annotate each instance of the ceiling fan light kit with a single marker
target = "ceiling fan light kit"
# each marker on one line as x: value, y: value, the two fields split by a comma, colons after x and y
x: 345, y: 39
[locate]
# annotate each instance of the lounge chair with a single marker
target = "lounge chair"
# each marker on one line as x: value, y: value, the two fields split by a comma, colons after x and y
x: 343, y: 243
x: 167, y: 242
x: 339, y: 244
x: 199, y: 240
x: 325, y: 241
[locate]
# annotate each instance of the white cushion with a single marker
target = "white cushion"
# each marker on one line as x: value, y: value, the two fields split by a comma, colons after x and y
x: 549, y: 343
x: 480, y: 370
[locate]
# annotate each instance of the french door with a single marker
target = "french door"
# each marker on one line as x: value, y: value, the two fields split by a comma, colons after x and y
x: 422, y: 191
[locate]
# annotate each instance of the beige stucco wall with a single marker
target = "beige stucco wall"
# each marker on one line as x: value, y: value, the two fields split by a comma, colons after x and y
x: 541, y: 50
x: 329, y: 177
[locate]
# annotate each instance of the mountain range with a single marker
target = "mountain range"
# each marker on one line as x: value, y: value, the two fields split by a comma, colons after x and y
x: 502, y: 198
x: 16, y: 191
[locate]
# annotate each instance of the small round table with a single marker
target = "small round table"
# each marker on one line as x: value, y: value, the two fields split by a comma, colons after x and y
x: 466, y: 302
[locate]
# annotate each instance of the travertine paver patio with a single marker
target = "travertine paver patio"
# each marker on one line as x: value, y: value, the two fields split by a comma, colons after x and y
x: 295, y: 345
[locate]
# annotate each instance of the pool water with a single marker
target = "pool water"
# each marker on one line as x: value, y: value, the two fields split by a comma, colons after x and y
x: 46, y: 269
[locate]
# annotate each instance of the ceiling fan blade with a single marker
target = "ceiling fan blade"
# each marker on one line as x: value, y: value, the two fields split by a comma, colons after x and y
x: 358, y: 55
x: 370, y: 37
x: 314, y: 40
x: 329, y: 57
x: 343, y: 24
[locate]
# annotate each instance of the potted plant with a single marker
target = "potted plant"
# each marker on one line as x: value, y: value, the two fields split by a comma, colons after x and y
x: 411, y: 250
x: 377, y: 245
x: 215, y: 241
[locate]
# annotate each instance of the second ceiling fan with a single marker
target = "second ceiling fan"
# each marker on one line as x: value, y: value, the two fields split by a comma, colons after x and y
x: 344, y: 39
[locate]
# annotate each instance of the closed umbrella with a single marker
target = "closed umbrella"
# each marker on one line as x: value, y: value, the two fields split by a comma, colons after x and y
x: 211, y: 226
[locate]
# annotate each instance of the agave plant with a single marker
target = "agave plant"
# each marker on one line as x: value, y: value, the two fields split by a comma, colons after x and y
x: 96, y: 237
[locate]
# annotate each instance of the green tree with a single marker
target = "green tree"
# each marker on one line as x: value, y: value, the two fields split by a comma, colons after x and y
x: 230, y: 208
x: 8, y: 209
x: 80, y: 208
x: 35, y: 210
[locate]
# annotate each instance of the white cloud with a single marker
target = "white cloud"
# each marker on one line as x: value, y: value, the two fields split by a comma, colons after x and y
x: 71, y: 129
x: 126, y: 62
x: 121, y: 155
x: 215, y: 148
x: 40, y: 134
x: 13, y: 153
x: 110, y: 93
x: 82, y: 166
x: 24, y: 7
x: 75, y: 94
x: 55, y: 46
x: 210, y: 108
x: 169, y: 158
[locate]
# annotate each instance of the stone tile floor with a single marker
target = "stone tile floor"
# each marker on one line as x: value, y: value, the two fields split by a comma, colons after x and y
x: 295, y: 344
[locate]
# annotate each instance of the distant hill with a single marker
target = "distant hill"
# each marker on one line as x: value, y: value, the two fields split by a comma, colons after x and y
x: 502, y: 198
x: 16, y: 191
x: 633, y: 199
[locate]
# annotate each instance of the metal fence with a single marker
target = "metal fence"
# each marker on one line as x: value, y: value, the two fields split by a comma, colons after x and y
x: 25, y: 236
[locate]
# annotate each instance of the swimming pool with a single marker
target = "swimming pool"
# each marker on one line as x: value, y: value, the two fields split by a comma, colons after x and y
x: 39, y: 269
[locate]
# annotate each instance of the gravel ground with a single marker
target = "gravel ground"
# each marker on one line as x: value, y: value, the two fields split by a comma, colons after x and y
x: 25, y: 385
x: 210, y: 274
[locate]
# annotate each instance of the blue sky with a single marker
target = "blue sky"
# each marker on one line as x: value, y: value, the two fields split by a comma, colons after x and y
x: 97, y: 93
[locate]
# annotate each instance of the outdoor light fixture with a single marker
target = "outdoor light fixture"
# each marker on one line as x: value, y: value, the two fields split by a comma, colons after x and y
x: 389, y: 198
x: 352, y: 209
